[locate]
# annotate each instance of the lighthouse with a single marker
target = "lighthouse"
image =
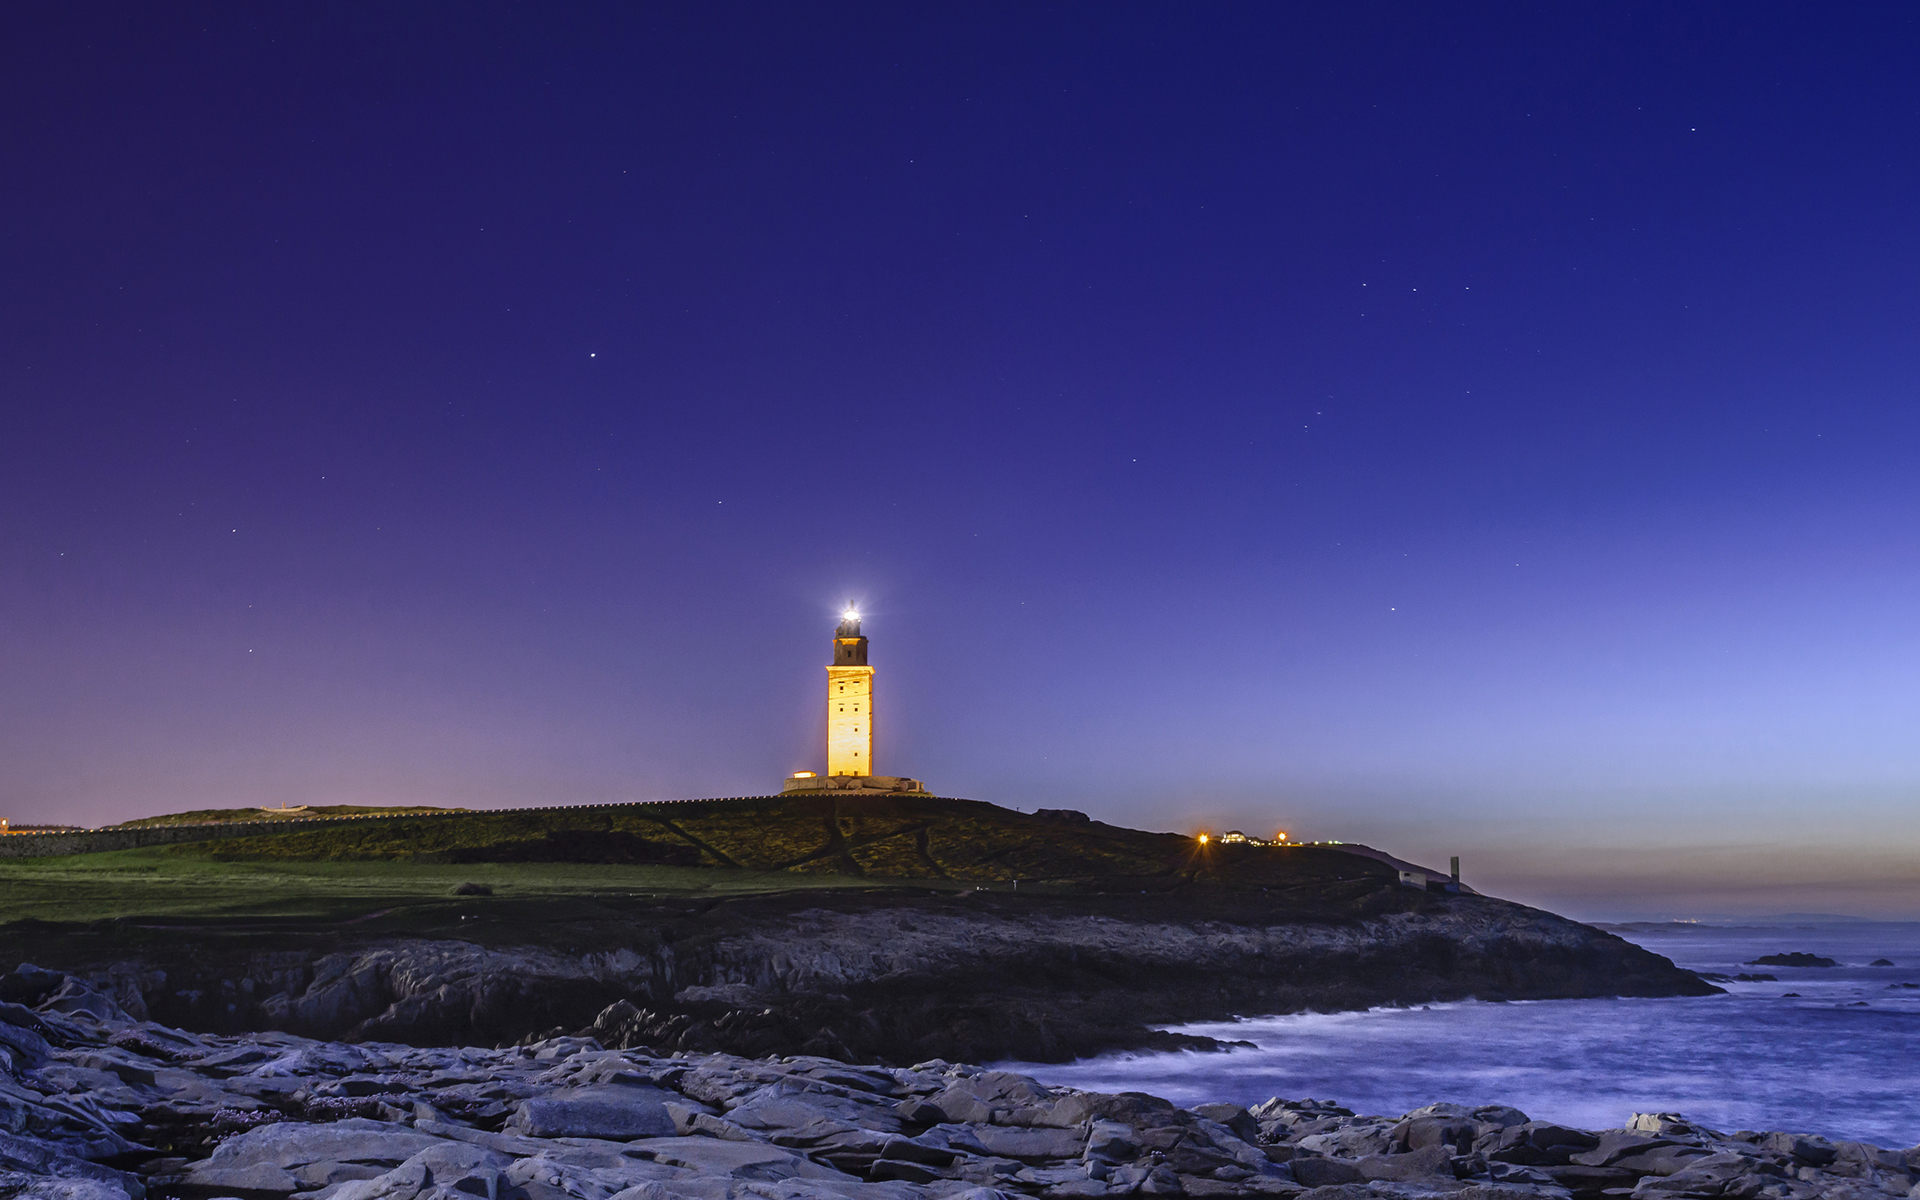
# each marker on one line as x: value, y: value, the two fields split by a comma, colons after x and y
x: 849, y: 701
x: 850, y: 722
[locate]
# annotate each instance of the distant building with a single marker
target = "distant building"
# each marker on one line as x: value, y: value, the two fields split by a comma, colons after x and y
x: 850, y: 723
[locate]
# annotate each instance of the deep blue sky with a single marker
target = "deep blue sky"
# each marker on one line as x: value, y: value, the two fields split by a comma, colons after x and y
x: 1467, y: 429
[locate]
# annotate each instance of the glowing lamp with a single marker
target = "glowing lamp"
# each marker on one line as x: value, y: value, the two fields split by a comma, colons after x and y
x: 1205, y: 838
x: 803, y: 775
x: 1280, y: 837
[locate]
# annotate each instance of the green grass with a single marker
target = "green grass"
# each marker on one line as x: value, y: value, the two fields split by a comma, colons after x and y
x: 343, y: 872
x: 154, y: 883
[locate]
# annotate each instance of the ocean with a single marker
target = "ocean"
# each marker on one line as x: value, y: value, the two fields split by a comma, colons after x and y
x: 1832, y: 1051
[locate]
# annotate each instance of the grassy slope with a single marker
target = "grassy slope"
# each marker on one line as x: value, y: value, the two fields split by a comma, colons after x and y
x: 715, y: 848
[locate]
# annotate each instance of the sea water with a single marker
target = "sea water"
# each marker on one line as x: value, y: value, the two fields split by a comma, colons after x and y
x: 1832, y: 1051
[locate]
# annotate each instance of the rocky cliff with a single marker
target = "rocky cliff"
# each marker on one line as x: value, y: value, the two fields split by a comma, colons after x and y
x: 882, y: 976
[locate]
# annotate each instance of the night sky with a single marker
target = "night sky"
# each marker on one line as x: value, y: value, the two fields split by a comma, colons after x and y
x: 1468, y: 429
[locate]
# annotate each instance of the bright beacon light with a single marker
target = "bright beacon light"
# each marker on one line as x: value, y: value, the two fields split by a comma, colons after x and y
x: 1205, y: 838
x: 851, y: 614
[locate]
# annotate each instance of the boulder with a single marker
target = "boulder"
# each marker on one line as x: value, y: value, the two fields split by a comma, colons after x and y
x: 255, y: 1179
x: 614, y: 1113
x: 29, y: 1163
x: 1233, y: 1117
x: 1661, y: 1160
x: 1585, y: 1181
x: 1535, y: 1143
x: 1617, y: 1144
x: 1340, y: 1191
x: 1323, y: 1172
x: 1434, y: 1160
x: 25, y: 1046
x: 76, y: 997
x: 291, y: 1144
x: 20, y: 1186
x: 453, y: 1170
x: 1666, y: 1125
x: 1030, y: 1145
x: 1351, y: 1139
x: 1458, y: 1133
x: 1711, y: 1175
x: 1112, y: 1141
x: 735, y: 1160
x: 1814, y: 1151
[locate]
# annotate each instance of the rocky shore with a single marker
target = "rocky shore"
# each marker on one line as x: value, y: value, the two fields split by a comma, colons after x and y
x: 892, y: 976
x: 98, y: 1105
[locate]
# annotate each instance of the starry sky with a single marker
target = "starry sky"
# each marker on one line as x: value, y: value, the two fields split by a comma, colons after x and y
x: 1481, y: 429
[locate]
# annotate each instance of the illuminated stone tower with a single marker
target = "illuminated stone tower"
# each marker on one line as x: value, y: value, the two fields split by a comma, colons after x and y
x: 849, y: 702
x: 850, y: 723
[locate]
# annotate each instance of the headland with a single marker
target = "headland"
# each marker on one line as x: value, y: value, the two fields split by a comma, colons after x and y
x: 867, y: 928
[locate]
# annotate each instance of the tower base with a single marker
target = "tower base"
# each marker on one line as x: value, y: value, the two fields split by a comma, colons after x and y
x: 853, y: 783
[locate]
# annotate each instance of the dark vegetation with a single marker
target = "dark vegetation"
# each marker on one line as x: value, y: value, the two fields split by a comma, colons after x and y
x: 883, y: 837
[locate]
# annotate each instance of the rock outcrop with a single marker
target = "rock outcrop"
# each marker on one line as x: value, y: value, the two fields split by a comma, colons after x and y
x: 894, y: 976
x: 98, y: 1105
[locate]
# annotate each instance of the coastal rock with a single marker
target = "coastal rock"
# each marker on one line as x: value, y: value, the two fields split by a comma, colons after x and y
x: 1795, y: 959
x: 618, y: 1113
x: 972, y: 976
x: 270, y: 1115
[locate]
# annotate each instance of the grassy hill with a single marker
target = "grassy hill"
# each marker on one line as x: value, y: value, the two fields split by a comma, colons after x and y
x: 406, y: 867
x: 871, y: 837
